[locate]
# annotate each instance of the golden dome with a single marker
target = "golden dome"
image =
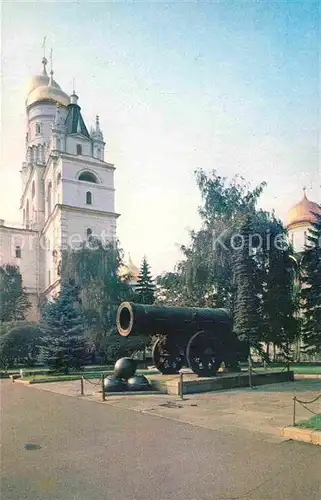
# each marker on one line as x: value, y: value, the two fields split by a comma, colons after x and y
x: 129, y: 270
x: 301, y: 213
x: 51, y: 92
x: 42, y: 87
x: 134, y: 270
x: 38, y: 80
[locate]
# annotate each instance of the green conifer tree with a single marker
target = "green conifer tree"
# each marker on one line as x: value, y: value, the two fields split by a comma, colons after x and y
x: 145, y: 288
x: 14, y: 302
x: 246, y: 306
x: 64, y: 345
x: 311, y: 291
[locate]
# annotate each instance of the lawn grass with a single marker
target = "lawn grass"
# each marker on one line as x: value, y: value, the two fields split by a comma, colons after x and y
x: 300, y: 369
x: 74, y: 376
x: 313, y: 423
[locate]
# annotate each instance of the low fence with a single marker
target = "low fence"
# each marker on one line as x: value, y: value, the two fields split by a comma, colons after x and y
x: 296, y: 401
x: 101, y: 383
x: 266, y: 366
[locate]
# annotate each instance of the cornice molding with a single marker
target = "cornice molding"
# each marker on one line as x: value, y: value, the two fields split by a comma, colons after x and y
x: 89, y: 185
x: 87, y: 159
x: 19, y: 230
x: 70, y: 208
x: 298, y: 224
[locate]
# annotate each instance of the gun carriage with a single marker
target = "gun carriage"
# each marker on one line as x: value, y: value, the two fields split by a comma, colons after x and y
x: 201, y: 338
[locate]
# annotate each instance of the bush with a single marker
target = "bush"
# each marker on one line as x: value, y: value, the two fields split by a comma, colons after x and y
x: 20, y: 345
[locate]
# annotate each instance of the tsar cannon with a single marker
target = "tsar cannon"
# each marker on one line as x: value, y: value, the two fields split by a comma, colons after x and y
x: 201, y: 338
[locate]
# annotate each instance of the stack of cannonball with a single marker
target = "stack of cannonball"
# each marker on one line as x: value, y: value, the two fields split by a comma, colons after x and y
x: 124, y: 378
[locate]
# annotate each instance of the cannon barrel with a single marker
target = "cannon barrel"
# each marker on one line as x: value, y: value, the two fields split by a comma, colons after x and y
x: 133, y: 319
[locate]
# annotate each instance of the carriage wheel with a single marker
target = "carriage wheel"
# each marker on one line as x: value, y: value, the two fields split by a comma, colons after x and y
x: 167, y: 359
x: 203, y: 354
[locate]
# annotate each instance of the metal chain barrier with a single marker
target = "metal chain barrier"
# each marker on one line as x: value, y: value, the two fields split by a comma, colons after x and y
x: 91, y: 382
x: 95, y: 384
x: 303, y: 404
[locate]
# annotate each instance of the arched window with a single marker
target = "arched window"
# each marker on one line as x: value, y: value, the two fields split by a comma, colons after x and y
x: 88, y: 198
x: 89, y: 232
x: 38, y: 129
x: 18, y: 252
x: 49, y: 198
x: 33, y: 189
x: 79, y: 149
x: 88, y: 177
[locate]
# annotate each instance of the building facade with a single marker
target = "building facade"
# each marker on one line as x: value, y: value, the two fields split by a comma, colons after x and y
x: 67, y: 191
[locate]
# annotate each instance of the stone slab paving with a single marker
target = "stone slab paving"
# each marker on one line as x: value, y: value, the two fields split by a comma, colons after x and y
x: 264, y: 410
x: 55, y: 447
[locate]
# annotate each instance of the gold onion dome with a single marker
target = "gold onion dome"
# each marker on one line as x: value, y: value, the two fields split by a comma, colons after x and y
x: 129, y: 270
x: 44, y: 88
x: 134, y: 270
x: 38, y: 80
x: 303, y: 212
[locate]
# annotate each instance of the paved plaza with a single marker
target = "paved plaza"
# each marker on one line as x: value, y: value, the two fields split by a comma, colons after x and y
x: 212, y: 446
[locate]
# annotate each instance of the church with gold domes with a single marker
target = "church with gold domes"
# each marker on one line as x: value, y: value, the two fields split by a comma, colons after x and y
x: 299, y: 221
x: 67, y: 188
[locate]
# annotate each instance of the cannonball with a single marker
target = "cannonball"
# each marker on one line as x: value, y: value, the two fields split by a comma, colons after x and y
x: 125, y: 368
x: 114, y: 384
x: 138, y: 383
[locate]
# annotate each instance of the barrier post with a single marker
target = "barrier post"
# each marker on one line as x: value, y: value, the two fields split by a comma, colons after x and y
x: 294, y: 416
x: 82, y: 386
x: 181, y: 390
x: 103, y: 387
x: 250, y: 372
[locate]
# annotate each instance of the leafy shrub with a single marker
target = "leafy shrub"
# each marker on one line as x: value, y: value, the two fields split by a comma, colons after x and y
x: 20, y: 345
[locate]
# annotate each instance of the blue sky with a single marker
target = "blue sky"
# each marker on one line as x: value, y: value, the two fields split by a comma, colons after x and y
x: 230, y: 85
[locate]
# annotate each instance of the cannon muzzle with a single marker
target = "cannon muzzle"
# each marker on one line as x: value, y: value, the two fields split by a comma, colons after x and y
x: 125, y: 319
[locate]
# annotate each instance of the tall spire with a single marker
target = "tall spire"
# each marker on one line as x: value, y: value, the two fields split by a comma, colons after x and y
x: 73, y: 97
x: 44, y: 63
x: 51, y: 70
x: 44, y: 59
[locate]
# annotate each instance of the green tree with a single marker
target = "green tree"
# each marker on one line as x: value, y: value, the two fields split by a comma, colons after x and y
x: 229, y: 263
x: 280, y: 304
x: 311, y: 290
x: 63, y: 344
x: 14, y: 302
x: 145, y: 288
x: 20, y: 345
x: 246, y: 301
x: 95, y: 270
